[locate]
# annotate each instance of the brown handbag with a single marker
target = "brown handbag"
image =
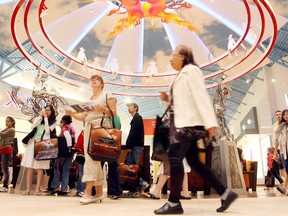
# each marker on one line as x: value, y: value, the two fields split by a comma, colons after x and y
x: 46, y: 149
x: 129, y: 175
x: 105, y: 143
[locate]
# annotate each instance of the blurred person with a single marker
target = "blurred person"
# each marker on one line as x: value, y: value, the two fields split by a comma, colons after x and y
x: 164, y: 175
x: 6, y: 149
x: 273, y: 161
x: 278, y: 116
x: 45, y: 124
x: 281, y: 142
x: 191, y: 115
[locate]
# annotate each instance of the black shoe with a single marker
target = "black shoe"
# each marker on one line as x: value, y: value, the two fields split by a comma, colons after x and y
x: 116, y: 196
x: 62, y: 193
x: 226, y: 203
x: 167, y: 209
x: 282, y: 190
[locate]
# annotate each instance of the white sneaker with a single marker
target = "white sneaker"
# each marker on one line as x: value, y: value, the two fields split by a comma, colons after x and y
x: 3, y: 189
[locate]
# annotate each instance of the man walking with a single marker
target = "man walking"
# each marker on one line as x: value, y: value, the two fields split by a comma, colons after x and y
x: 135, y: 145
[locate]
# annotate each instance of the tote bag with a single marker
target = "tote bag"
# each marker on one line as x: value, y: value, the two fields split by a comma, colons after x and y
x: 46, y: 149
x: 105, y: 143
x: 161, y: 138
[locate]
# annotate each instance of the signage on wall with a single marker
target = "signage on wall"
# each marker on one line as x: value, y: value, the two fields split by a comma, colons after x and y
x: 149, y: 126
x: 11, y: 101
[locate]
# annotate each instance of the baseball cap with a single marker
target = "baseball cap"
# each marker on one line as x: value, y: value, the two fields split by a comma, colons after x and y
x: 132, y: 104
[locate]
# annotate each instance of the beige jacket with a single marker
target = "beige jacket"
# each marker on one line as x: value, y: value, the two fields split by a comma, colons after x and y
x: 6, y: 137
x: 192, y: 103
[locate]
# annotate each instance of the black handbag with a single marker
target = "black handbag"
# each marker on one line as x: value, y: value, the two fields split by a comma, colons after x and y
x: 26, y: 139
x: 269, y: 181
x: 196, y: 133
x: 161, y: 138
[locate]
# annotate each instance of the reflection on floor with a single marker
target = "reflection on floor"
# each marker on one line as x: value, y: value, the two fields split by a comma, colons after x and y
x: 263, y: 202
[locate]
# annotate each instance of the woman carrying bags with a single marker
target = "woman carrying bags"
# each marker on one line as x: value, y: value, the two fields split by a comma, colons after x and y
x: 45, y: 125
x: 100, y: 100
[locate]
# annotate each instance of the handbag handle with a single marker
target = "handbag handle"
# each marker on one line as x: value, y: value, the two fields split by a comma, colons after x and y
x: 112, y: 115
x: 166, y: 111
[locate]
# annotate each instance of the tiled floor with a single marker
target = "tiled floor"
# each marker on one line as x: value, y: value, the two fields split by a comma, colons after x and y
x: 262, y: 203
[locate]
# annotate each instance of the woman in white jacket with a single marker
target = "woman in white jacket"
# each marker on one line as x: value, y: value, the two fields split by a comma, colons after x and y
x: 191, y: 118
x: 45, y: 124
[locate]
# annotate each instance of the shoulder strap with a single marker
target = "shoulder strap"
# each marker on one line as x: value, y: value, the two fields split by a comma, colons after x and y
x: 166, y: 111
x: 112, y: 116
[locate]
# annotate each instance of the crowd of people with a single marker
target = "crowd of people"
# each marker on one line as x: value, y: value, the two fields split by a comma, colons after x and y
x: 277, y: 157
x: 187, y: 125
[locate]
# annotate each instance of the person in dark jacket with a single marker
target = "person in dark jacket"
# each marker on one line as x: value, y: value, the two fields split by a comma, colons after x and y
x: 135, y: 145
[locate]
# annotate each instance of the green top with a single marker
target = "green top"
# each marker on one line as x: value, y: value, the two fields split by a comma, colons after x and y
x: 117, y: 122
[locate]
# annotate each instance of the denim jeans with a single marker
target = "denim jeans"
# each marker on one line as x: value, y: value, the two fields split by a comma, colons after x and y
x: 80, y: 187
x: 5, y: 169
x: 133, y: 156
x: 284, y: 162
x: 113, y: 180
x: 61, y: 173
x: 176, y: 153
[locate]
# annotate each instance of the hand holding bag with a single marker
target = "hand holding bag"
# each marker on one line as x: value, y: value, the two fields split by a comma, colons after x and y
x: 46, y: 149
x: 161, y: 138
x: 105, y: 143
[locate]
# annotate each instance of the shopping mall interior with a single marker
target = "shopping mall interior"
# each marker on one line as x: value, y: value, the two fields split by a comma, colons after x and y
x: 50, y: 49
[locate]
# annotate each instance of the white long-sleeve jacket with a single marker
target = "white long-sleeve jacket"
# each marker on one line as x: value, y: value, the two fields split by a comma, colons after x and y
x: 192, y: 103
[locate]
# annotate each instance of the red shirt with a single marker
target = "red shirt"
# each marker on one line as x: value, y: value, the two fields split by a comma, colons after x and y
x: 270, y: 160
x: 80, y: 143
x: 7, y: 150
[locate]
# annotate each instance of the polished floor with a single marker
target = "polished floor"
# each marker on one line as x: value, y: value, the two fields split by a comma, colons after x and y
x: 263, y: 202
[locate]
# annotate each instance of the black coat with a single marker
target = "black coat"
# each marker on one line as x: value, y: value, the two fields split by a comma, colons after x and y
x: 136, y: 133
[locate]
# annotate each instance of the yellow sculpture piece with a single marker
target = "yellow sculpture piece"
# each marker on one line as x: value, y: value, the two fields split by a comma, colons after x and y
x: 137, y: 10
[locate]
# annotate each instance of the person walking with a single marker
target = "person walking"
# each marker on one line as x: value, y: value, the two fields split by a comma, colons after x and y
x: 135, y: 146
x: 6, y: 149
x: 281, y: 140
x: 191, y: 118
x: 164, y: 175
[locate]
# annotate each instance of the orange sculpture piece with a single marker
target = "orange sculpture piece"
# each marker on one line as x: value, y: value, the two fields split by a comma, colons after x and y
x: 137, y: 10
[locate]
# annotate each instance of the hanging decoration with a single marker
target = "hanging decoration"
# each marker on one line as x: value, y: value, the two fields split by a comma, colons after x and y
x: 41, y: 97
x: 136, y: 10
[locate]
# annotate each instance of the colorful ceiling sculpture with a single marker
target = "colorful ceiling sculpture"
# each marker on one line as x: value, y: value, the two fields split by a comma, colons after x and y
x: 136, y: 10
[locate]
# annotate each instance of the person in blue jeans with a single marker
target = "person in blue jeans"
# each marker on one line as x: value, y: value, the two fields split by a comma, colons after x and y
x: 114, y: 190
x: 135, y: 145
x: 63, y: 163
